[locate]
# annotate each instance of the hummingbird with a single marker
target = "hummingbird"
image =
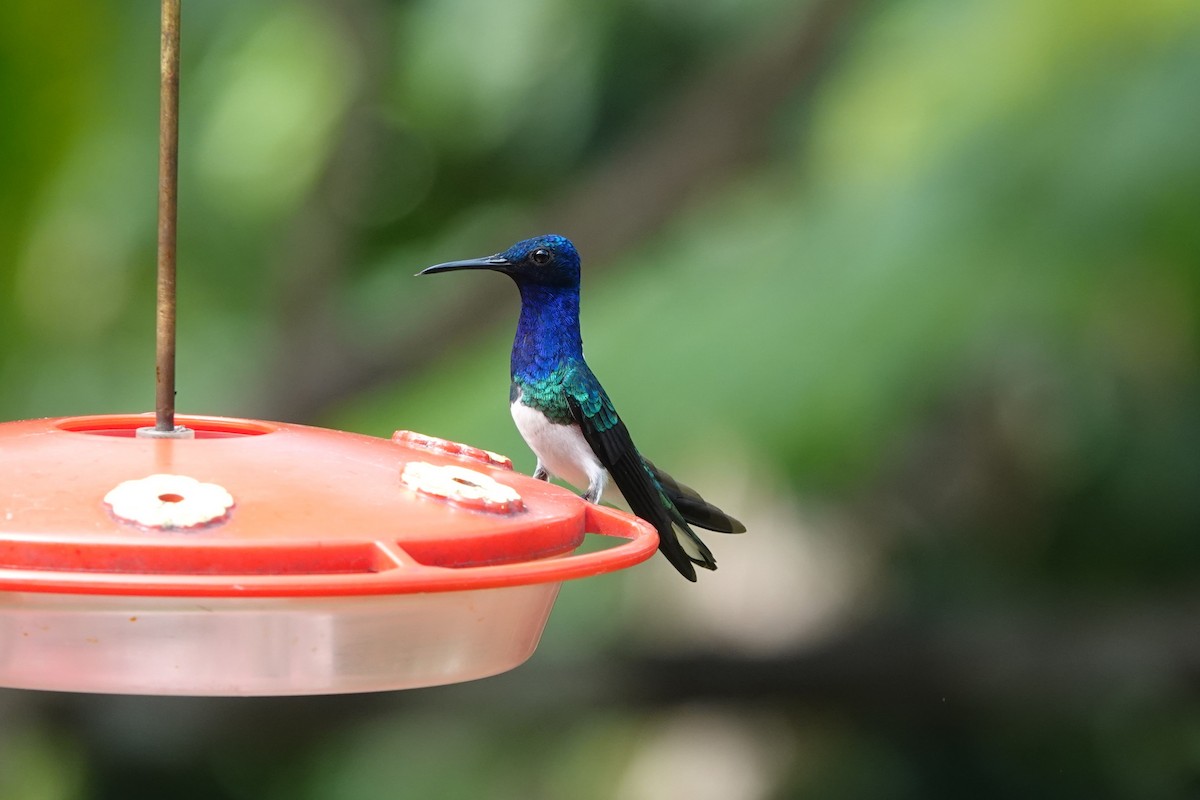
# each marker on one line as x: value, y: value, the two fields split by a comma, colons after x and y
x: 566, y: 417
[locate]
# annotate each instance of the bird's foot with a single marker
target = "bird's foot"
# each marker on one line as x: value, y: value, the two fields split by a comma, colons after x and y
x: 541, y: 474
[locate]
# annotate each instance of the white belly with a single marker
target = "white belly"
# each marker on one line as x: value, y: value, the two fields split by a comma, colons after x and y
x: 561, y: 449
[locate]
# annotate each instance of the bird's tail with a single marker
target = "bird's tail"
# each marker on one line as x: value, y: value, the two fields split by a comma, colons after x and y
x: 692, y: 507
x: 685, y: 505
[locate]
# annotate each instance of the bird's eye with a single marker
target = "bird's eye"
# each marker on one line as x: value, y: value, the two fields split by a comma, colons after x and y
x: 541, y: 256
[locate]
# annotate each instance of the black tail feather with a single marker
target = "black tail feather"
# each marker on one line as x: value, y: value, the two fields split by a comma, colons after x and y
x: 692, y: 507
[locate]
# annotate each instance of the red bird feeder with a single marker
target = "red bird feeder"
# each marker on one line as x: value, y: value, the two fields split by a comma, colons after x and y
x: 265, y: 558
x: 240, y: 557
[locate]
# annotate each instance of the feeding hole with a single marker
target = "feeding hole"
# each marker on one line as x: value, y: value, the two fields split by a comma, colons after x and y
x: 461, y: 486
x: 168, y: 502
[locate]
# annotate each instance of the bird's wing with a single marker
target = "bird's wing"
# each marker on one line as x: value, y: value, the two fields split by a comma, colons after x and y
x: 609, y: 439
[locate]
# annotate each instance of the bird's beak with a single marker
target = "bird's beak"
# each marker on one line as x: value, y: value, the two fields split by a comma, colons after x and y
x: 498, y: 263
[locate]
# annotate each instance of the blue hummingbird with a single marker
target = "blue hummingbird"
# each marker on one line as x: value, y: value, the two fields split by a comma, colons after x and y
x: 565, y: 416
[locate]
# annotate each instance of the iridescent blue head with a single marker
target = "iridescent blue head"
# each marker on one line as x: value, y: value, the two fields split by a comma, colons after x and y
x: 550, y: 261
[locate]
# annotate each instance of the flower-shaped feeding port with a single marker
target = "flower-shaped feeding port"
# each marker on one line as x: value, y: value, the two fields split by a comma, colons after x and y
x: 169, y: 502
x: 463, y: 487
x: 121, y: 570
x: 466, y: 452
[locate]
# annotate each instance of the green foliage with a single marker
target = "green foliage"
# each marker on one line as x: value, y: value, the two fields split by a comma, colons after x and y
x: 36, y: 764
x: 952, y: 305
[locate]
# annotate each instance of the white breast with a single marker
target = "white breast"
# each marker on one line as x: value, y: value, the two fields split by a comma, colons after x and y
x: 561, y: 449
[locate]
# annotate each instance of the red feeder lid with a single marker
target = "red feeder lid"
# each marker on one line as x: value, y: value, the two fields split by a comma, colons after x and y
x: 303, y: 519
x: 267, y: 508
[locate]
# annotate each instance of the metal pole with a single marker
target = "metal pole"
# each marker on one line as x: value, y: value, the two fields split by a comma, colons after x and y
x: 168, y: 180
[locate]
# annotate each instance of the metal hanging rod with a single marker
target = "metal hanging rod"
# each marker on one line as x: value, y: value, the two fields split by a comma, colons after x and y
x: 168, y: 184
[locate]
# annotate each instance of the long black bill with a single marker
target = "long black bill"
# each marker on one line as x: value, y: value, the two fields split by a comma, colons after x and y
x: 498, y: 263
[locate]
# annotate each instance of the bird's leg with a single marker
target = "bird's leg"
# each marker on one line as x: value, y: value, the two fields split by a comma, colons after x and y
x: 595, y: 488
x: 540, y: 473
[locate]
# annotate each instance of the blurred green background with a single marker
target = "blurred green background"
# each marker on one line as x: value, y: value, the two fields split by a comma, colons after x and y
x: 910, y: 287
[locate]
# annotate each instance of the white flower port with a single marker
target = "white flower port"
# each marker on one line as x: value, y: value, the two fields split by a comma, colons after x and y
x: 461, y: 486
x: 166, y: 501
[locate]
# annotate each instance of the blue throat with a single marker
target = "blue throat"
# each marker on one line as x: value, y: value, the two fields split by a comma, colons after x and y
x: 547, y: 333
